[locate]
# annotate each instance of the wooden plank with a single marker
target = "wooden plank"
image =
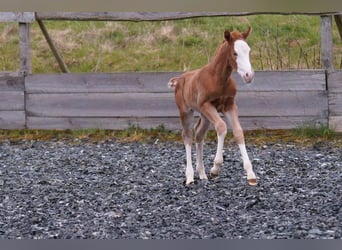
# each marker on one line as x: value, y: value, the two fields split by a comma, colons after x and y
x: 151, y: 16
x: 9, y: 74
x: 305, y: 80
x: 157, y: 82
x: 127, y: 16
x: 12, y: 119
x: 327, y: 43
x: 335, y: 123
x: 19, y: 17
x: 335, y: 82
x: 173, y: 123
x: 162, y: 104
x: 99, y: 83
x: 281, y: 122
x: 100, y: 123
x: 10, y: 100
x: 102, y: 105
x: 9, y: 83
x: 335, y: 104
x: 282, y: 103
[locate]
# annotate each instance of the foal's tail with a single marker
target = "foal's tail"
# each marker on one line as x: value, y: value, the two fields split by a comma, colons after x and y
x: 174, y: 81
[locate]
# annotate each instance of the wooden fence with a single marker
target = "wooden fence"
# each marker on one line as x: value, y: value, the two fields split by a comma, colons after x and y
x: 276, y: 100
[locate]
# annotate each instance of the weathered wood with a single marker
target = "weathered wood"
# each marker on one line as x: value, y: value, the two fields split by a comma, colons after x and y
x: 117, y: 100
x: 11, y: 100
x: 53, y: 48
x: 327, y: 43
x: 306, y: 80
x: 281, y: 122
x: 335, y: 82
x: 276, y: 104
x: 335, y: 104
x: 335, y: 100
x: 282, y: 103
x: 335, y: 123
x: 101, y: 123
x: 99, y: 83
x: 12, y: 119
x: 9, y: 74
x: 19, y: 17
x: 25, y: 48
x: 152, y: 16
x: 102, y: 105
x: 9, y: 83
x: 157, y: 82
x: 11, y: 93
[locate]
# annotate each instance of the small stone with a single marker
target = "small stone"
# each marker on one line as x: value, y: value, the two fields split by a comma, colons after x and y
x: 114, y: 214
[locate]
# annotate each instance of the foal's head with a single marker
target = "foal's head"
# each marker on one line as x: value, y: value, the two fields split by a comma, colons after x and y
x: 239, y: 53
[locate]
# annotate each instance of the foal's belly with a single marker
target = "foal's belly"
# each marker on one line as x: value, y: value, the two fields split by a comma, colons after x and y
x: 223, y: 104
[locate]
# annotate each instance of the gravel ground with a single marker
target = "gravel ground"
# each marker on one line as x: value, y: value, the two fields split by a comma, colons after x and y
x: 77, y: 189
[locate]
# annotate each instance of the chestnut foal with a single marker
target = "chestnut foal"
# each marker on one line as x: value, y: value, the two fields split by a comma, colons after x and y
x: 211, y: 90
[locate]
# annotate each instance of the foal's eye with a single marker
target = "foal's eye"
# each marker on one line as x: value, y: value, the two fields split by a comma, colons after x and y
x: 235, y: 54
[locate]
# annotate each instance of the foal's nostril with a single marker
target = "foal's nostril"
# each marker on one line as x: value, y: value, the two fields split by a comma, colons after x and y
x: 248, y: 77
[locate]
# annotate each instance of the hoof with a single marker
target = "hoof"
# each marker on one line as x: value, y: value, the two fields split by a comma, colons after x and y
x: 188, y: 184
x: 252, y: 182
x: 213, y: 176
x: 203, y: 178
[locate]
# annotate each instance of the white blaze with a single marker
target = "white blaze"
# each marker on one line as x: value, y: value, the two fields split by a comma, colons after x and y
x: 244, y: 67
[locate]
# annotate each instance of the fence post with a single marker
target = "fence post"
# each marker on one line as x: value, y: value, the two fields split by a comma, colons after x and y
x: 25, y: 48
x: 327, y: 43
x: 333, y: 79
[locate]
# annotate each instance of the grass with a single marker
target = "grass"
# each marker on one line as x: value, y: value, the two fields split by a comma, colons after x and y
x: 302, y: 136
x: 315, y: 132
x: 131, y: 134
x: 278, y: 43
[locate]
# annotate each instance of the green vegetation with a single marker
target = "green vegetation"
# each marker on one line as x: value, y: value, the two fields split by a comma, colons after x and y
x: 278, y: 43
x: 131, y: 134
x: 315, y: 132
x: 302, y: 136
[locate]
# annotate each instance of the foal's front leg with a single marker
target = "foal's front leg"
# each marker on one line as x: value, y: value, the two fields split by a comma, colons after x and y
x: 210, y: 112
x: 233, y: 119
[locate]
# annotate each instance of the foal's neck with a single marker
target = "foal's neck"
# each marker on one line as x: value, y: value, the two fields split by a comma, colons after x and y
x: 220, y: 63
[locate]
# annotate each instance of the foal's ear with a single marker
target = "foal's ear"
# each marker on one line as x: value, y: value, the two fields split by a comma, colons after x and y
x: 246, y: 33
x: 227, y: 35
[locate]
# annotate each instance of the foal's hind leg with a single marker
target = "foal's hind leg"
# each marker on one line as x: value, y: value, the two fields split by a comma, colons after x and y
x: 200, y: 133
x: 186, y: 120
x: 232, y: 117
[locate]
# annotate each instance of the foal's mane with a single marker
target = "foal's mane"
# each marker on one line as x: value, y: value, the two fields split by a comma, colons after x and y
x: 219, y: 49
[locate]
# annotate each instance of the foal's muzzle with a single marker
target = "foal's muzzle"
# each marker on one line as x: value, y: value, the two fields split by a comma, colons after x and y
x: 248, y: 77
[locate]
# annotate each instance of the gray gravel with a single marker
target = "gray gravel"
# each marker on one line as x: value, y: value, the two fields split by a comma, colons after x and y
x: 77, y: 189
